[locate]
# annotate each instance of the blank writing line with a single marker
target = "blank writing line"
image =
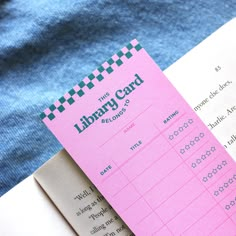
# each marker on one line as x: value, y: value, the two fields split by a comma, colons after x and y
x: 124, y: 126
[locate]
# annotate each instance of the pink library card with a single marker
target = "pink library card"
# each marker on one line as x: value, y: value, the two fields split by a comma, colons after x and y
x: 145, y: 149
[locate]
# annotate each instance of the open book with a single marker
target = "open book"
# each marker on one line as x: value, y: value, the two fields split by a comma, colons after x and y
x: 206, y: 78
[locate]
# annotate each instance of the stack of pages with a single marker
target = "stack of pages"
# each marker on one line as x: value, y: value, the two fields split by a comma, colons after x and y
x: 148, y: 153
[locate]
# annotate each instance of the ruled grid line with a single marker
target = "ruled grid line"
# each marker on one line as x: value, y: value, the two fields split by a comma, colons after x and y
x: 194, y: 177
x: 207, y: 165
x: 171, y: 124
x: 179, y: 141
x: 221, y: 177
x: 218, y: 226
x: 206, y: 188
x: 156, y: 161
x: 129, y: 159
x: 125, y: 126
x: 161, y: 180
x: 227, y: 217
x: 132, y: 120
x: 190, y: 201
x: 163, y: 155
x: 184, y: 160
x: 143, y: 148
x: 142, y: 197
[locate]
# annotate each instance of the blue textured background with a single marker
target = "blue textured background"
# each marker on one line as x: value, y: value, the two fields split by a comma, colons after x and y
x: 47, y: 46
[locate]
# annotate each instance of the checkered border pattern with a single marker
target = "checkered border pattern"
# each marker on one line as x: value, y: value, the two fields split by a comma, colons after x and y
x: 79, y: 90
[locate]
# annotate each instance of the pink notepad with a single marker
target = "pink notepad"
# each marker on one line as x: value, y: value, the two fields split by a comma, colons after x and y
x: 145, y: 149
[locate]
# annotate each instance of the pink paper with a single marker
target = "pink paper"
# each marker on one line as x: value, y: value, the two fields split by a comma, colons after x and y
x: 145, y: 149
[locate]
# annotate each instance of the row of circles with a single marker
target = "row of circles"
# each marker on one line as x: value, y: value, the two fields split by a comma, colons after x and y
x: 191, y: 143
x: 181, y: 129
x: 214, y: 171
x: 225, y: 185
x: 203, y: 157
x: 231, y: 204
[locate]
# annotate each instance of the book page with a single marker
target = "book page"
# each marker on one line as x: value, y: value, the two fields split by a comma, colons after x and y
x: 77, y: 199
x: 140, y: 143
x: 26, y: 210
x: 206, y: 78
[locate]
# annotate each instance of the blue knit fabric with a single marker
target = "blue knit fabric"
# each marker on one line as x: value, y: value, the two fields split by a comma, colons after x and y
x: 47, y: 46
